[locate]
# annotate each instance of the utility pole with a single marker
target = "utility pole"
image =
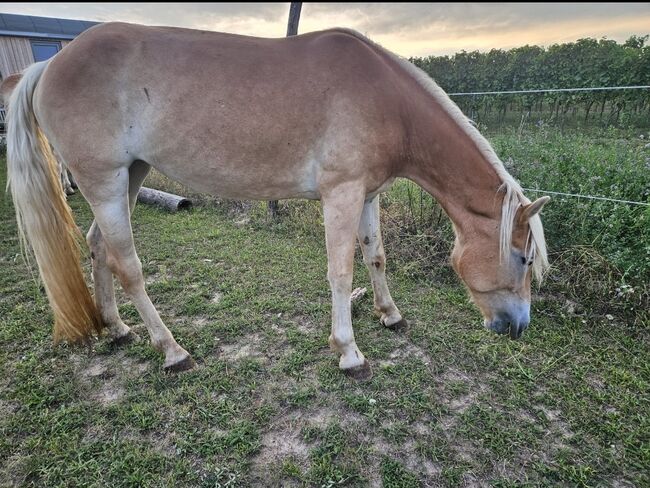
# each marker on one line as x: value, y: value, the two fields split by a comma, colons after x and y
x: 292, y: 30
x: 294, y: 18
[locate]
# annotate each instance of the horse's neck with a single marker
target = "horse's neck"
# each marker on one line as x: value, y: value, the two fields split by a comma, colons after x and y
x: 447, y: 163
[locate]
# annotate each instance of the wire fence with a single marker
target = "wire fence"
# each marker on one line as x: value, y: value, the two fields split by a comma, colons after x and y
x: 552, y: 90
x: 564, y: 90
x: 589, y: 197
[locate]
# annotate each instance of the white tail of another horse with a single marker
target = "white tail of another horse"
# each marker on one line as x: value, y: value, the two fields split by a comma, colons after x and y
x: 44, y: 218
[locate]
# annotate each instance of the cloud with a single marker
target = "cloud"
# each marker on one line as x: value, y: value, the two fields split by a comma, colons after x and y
x: 458, y: 19
x: 423, y: 29
x: 407, y: 28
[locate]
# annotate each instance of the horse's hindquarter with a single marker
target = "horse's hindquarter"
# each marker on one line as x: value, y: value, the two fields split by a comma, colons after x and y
x: 231, y: 115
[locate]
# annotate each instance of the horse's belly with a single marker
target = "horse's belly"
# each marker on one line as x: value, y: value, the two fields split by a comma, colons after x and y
x: 250, y: 182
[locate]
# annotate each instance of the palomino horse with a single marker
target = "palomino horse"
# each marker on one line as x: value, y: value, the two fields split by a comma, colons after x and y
x: 326, y: 115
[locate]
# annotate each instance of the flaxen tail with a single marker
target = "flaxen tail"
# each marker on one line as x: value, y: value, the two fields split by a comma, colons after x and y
x: 44, y: 218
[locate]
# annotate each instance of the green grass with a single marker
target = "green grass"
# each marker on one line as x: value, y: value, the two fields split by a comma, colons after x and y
x: 450, y: 403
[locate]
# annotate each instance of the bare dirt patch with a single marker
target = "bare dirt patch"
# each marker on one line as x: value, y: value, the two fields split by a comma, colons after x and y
x: 162, y: 275
x: 306, y: 325
x: 109, y: 394
x: 249, y: 347
x: 280, y: 444
x: 458, y: 404
x: 619, y: 483
x: 7, y: 407
x: 12, y: 470
x: 199, y: 322
x: 464, y: 402
x: 283, y: 442
x: 558, y: 426
x: 97, y: 369
x: 407, y: 350
x: 406, y: 453
x: 102, y: 376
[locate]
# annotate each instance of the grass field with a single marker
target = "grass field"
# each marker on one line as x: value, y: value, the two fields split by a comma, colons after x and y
x: 450, y: 404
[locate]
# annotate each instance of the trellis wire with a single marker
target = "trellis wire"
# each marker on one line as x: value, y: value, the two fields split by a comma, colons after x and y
x: 556, y: 90
x: 553, y: 90
x: 591, y: 197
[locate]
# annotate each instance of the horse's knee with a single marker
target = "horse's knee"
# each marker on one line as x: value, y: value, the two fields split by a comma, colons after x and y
x: 339, y: 279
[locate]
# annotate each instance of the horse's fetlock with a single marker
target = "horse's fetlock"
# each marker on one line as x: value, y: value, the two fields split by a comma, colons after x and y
x: 159, y: 345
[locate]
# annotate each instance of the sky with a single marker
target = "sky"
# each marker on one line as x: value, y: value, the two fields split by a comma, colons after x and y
x: 409, y: 29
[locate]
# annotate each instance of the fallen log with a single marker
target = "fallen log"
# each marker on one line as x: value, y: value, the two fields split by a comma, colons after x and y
x: 168, y: 201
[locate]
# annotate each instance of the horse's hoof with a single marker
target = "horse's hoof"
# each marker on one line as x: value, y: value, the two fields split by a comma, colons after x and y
x: 184, y: 364
x: 399, y: 326
x: 359, y: 373
x: 128, y: 338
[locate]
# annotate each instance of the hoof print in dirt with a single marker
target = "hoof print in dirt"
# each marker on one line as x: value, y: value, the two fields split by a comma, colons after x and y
x: 359, y: 373
x: 183, y: 365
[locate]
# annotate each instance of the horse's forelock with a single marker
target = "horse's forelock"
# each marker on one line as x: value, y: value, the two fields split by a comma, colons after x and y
x: 512, y: 201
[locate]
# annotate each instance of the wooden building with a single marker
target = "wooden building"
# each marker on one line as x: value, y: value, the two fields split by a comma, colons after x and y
x: 25, y: 39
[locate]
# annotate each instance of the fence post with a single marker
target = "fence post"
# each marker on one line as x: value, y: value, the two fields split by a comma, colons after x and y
x: 292, y: 30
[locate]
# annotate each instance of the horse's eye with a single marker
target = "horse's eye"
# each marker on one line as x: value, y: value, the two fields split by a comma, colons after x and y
x: 523, y: 260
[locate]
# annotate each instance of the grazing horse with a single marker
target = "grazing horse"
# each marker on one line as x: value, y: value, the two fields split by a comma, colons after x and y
x: 327, y: 115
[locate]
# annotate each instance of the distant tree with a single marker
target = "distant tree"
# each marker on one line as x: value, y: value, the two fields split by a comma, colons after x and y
x: 584, y: 63
x: 636, y: 42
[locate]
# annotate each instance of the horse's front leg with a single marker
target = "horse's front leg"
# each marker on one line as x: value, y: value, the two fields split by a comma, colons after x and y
x: 342, y: 208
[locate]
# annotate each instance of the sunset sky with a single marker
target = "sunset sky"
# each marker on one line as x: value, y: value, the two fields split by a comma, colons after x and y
x: 415, y: 29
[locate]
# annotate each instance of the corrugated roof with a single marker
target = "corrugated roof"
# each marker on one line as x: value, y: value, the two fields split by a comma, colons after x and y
x: 28, y: 25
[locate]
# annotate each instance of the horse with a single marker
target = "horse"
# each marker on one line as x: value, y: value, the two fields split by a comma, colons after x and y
x: 327, y: 115
x: 6, y: 88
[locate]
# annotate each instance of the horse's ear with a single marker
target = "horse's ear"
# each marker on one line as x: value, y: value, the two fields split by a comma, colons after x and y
x: 534, y: 208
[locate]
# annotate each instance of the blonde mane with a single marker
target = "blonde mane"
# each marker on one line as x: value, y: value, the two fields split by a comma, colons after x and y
x: 514, y: 196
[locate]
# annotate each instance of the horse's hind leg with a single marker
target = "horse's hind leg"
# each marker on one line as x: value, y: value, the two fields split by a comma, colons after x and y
x: 102, y: 275
x: 65, y: 181
x: 104, y: 291
x: 63, y: 173
x: 109, y: 198
x: 372, y: 247
x: 341, y: 210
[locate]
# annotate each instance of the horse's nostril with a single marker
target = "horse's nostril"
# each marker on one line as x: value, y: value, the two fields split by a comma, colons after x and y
x: 515, y: 331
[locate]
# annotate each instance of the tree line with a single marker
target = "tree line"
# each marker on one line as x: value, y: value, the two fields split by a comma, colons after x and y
x: 584, y: 63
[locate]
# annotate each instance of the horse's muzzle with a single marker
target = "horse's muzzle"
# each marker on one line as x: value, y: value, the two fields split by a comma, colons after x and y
x: 512, y: 324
